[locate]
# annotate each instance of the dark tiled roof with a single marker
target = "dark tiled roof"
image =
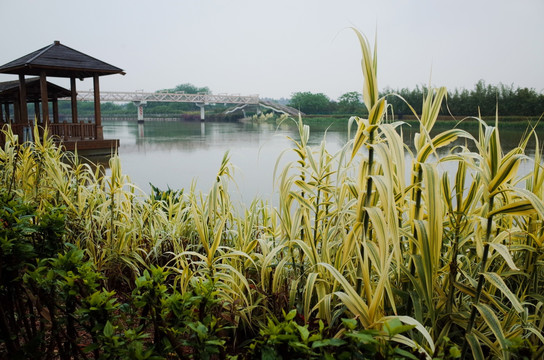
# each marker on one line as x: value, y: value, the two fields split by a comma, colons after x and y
x: 9, y: 85
x: 58, y: 60
x: 9, y: 90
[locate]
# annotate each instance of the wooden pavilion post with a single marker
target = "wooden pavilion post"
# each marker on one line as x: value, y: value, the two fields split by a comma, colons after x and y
x: 6, y: 110
x: 73, y: 99
x: 44, y: 96
x: 37, y: 111
x: 55, y: 109
x: 16, y: 109
x: 23, y: 110
x: 97, y: 115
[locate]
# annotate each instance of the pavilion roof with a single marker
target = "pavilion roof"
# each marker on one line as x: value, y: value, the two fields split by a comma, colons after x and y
x: 58, y: 60
x: 9, y: 90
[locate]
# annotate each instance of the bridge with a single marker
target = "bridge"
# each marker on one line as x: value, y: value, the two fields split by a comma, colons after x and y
x: 140, y: 99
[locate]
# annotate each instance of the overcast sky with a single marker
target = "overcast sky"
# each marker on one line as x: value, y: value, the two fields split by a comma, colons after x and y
x: 276, y: 48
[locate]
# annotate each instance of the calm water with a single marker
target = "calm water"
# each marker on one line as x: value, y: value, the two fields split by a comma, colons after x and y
x: 175, y: 153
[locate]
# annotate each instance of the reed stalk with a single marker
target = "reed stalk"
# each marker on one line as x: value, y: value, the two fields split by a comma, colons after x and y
x: 476, y: 300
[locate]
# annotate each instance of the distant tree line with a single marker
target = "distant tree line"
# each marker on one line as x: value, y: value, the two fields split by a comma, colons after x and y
x: 486, y: 98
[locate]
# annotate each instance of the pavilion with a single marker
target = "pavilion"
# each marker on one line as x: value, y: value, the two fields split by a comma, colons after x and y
x: 55, y: 60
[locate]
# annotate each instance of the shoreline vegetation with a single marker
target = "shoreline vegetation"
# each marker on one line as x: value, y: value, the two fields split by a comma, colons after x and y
x: 443, y: 121
x: 483, y: 100
x: 372, y: 252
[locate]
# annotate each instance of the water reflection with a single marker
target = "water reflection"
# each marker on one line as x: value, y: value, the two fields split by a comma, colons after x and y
x: 176, y: 153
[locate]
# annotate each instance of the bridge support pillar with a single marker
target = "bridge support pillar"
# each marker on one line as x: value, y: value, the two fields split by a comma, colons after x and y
x: 140, y: 105
x: 202, y: 112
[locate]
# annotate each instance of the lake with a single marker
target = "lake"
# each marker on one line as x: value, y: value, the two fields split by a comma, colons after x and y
x: 176, y: 153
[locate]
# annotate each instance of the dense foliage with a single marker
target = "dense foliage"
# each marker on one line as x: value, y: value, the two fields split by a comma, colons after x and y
x: 309, y: 103
x: 372, y: 252
x: 483, y: 98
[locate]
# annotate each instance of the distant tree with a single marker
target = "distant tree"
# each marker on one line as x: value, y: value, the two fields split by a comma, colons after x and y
x: 310, y: 103
x: 175, y: 108
x: 350, y: 103
x: 398, y: 100
x: 485, y: 98
x: 188, y: 88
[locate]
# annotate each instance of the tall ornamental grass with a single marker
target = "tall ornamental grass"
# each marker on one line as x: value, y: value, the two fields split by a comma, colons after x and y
x: 375, y: 233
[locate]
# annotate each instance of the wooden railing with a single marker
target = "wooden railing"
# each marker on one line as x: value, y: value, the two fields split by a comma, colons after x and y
x: 64, y: 131
x: 70, y: 131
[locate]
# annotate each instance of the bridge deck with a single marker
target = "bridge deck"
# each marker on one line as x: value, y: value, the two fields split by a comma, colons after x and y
x: 201, y: 99
x: 125, y: 96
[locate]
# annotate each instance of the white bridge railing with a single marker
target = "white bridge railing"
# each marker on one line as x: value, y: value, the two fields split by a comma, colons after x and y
x: 201, y: 98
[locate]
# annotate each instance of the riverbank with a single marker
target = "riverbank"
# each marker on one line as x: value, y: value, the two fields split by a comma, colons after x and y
x: 443, y: 122
x: 439, y: 119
